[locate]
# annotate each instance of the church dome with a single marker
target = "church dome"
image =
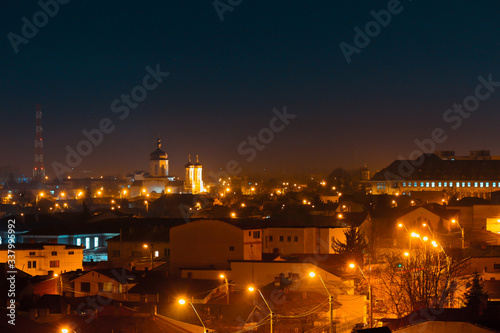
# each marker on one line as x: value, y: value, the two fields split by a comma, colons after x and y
x: 158, y: 154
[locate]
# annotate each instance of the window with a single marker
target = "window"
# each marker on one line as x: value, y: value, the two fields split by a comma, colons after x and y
x: 433, y: 184
x: 34, y: 263
x: 100, y: 286
x: 415, y: 184
x: 270, y: 238
x: 256, y: 234
x: 439, y: 184
x: 487, y: 184
x: 289, y: 238
x: 108, y: 286
x: 54, y: 253
x: 29, y: 264
x: 54, y: 263
x: 468, y: 184
x: 481, y: 184
x: 475, y: 184
x: 116, y: 253
x: 496, y: 266
x: 494, y: 184
x: 458, y: 184
x: 71, y: 252
x: 231, y: 248
x: 96, y: 241
x: 281, y: 238
x: 445, y: 184
x: 463, y: 184
x: 409, y: 184
x: 421, y: 184
x: 296, y: 238
x: 85, y: 286
x: 32, y: 253
x: 157, y: 254
x: 78, y: 242
x: 427, y: 184
x: 87, y: 243
x: 404, y: 184
x: 249, y: 234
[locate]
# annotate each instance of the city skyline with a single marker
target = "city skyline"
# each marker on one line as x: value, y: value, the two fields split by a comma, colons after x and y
x: 228, y: 71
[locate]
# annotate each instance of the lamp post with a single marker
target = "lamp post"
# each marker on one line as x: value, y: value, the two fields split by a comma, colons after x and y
x: 401, y: 225
x: 462, y: 230
x: 330, y: 300
x: 252, y: 289
x: 369, y: 292
x: 150, y: 249
x: 428, y: 227
x: 182, y: 302
x: 222, y: 276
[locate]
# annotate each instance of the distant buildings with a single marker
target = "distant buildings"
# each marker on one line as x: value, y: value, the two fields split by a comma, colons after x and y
x: 159, y: 181
x: 476, y: 175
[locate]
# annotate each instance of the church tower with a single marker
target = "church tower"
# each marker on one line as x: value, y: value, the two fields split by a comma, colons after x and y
x: 194, y: 180
x: 158, y: 162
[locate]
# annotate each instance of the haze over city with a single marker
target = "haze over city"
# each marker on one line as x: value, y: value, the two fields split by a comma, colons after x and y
x: 227, y: 76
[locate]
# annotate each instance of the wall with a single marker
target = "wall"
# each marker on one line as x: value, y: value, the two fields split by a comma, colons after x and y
x: 204, y: 244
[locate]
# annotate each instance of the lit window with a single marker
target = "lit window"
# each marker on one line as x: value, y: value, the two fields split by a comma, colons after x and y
x: 494, y: 184
x: 78, y: 242
x: 481, y: 184
x: 96, y: 241
x: 439, y: 184
x: 463, y: 184
x: 458, y: 184
x: 415, y: 184
x: 404, y: 184
x: 445, y: 184
x: 427, y: 184
x: 487, y: 184
x: 468, y: 184
x: 87, y: 243
x: 409, y: 184
x: 54, y: 263
x: 475, y: 184
x: 433, y: 184
x: 421, y: 184
x: 157, y: 254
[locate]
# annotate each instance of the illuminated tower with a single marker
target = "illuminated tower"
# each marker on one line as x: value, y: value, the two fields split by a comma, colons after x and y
x: 38, y: 168
x: 158, y: 162
x: 194, y: 181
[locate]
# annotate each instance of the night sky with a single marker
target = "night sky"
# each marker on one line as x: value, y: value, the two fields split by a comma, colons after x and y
x: 227, y: 76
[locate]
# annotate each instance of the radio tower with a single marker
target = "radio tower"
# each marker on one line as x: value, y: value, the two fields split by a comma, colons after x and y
x: 39, y: 168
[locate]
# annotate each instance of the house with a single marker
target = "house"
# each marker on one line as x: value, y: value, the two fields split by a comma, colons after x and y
x: 112, y: 283
x: 42, y: 258
x: 140, y: 247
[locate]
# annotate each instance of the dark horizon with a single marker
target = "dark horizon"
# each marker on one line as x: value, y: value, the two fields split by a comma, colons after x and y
x: 226, y: 77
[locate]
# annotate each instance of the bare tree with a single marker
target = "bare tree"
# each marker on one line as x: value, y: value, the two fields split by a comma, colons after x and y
x: 423, y: 278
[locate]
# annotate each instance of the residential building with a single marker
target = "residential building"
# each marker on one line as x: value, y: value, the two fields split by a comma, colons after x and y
x: 42, y: 258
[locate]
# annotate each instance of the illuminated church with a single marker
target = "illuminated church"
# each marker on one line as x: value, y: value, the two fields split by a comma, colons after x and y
x: 159, y: 181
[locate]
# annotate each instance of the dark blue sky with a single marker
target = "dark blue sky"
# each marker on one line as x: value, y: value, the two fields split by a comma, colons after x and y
x: 226, y: 77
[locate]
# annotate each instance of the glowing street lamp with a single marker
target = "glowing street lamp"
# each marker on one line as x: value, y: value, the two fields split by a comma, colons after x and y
x: 330, y: 299
x: 252, y: 289
x: 222, y: 276
x: 352, y: 265
x: 462, y: 230
x: 182, y: 302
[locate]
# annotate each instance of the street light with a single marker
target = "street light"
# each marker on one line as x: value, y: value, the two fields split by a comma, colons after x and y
x: 182, y: 302
x: 222, y: 276
x: 330, y: 300
x: 462, y: 230
x: 428, y: 227
x: 369, y: 291
x: 150, y: 249
x: 252, y: 289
